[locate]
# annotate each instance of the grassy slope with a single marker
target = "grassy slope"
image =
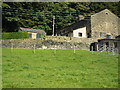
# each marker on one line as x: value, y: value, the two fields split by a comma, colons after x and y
x: 22, y: 68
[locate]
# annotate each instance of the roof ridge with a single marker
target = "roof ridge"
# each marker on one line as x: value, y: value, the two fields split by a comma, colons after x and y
x: 32, y: 28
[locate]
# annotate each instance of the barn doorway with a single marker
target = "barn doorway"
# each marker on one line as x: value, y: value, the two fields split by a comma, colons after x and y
x: 93, y: 46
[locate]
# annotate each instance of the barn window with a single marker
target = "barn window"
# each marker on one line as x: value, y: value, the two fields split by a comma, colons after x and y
x: 101, y: 34
x: 106, y: 13
x: 37, y: 35
x: 108, y: 36
x: 80, y: 34
x: 30, y: 35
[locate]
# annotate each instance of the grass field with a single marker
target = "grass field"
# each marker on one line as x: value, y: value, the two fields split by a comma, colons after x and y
x: 65, y: 69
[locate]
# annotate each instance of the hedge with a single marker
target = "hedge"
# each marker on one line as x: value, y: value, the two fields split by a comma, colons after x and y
x: 14, y: 35
x: 42, y: 35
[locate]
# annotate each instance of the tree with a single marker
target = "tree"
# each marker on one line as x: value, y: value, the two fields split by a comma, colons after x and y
x: 39, y: 15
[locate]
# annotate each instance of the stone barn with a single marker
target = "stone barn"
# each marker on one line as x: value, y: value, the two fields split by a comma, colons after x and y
x: 33, y: 33
x: 104, y: 25
x: 101, y: 25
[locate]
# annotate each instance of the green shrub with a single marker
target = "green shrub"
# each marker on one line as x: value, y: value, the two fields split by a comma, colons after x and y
x: 42, y: 35
x: 14, y: 35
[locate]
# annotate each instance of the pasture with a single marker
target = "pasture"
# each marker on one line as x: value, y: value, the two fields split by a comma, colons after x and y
x: 22, y: 68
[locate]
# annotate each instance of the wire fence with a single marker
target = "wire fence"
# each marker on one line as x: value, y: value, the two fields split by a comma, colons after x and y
x: 108, y: 49
x: 101, y: 48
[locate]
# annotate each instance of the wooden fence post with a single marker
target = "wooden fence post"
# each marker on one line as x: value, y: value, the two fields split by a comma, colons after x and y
x: 11, y: 47
x: 74, y: 48
x: 34, y: 49
x: 55, y: 50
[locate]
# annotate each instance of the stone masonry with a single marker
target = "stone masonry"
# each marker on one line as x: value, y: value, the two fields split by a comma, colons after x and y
x: 50, y: 42
x: 105, y: 22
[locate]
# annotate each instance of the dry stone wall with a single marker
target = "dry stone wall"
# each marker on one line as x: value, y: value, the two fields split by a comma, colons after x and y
x: 50, y: 42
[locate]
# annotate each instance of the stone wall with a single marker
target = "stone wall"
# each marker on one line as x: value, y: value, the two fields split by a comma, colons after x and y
x: 105, y: 22
x: 50, y: 42
x: 119, y: 26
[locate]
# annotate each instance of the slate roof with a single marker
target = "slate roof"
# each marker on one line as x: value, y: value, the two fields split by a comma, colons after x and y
x: 80, y: 24
x: 32, y: 30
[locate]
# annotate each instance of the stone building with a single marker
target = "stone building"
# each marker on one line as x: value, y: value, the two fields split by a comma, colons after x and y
x: 104, y: 25
x: 80, y: 29
x: 33, y: 33
x: 101, y: 25
x: 106, y: 45
x: 106, y: 30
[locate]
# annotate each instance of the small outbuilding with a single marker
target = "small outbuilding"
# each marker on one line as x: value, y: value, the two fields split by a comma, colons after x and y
x: 33, y: 33
x: 107, y: 45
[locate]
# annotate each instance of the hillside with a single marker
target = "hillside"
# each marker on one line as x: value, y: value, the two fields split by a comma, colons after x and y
x: 39, y: 15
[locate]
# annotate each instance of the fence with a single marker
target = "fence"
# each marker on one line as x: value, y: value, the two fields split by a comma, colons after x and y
x: 108, y: 49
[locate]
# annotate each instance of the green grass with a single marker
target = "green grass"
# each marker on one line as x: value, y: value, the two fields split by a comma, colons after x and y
x: 44, y: 69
